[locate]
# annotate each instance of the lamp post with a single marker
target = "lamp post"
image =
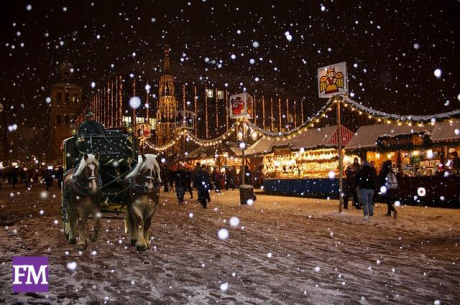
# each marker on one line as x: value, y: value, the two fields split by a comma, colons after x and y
x: 338, y: 100
x: 243, y: 148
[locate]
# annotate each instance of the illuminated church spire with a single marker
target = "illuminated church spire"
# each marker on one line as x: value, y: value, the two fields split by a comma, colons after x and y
x: 167, y: 105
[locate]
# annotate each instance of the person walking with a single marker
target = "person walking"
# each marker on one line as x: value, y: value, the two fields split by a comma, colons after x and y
x: 194, y: 173
x: 180, y: 183
x: 366, y: 181
x: 389, y: 183
x: 188, y: 182
x: 216, y: 177
x: 203, y: 185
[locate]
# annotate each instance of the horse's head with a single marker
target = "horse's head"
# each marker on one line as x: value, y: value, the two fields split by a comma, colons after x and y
x: 87, y: 172
x: 149, y: 173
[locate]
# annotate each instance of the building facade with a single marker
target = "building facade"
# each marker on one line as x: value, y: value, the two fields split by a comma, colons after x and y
x: 66, y: 105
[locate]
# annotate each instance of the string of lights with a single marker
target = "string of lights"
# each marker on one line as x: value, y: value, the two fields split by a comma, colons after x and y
x: 388, y: 118
x: 352, y: 105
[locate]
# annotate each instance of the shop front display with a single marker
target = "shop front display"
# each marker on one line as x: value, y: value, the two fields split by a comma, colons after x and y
x: 304, y: 165
x: 423, y: 160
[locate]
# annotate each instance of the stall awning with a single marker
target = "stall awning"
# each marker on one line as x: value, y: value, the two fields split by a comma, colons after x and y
x: 263, y: 146
x: 309, y: 139
x: 205, y: 152
x: 366, y: 136
x: 446, y: 132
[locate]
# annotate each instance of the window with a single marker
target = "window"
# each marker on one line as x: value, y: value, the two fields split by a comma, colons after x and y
x: 59, y: 119
x: 210, y: 93
x: 66, y: 119
x: 59, y: 96
x: 220, y: 95
x: 66, y: 76
x: 126, y: 120
x: 153, y: 123
x: 67, y: 97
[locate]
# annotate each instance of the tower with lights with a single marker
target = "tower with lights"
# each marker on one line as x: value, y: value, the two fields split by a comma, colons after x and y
x: 167, y: 105
x: 65, y: 105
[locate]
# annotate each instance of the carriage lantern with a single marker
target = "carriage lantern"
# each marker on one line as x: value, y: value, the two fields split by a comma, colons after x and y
x: 73, y: 129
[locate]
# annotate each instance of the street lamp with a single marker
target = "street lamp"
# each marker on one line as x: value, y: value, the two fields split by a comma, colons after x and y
x: 243, y: 148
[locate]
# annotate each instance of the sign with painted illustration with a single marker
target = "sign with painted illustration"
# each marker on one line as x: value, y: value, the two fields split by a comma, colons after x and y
x: 185, y: 119
x: 332, y: 80
x: 241, y: 105
x: 143, y: 130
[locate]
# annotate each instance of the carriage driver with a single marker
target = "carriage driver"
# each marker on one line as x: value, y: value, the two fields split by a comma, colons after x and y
x: 91, y: 126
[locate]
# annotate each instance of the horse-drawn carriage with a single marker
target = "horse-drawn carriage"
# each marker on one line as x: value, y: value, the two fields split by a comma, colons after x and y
x: 100, y: 176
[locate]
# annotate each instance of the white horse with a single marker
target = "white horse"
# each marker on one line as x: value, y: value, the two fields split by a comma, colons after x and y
x: 84, y: 198
x: 143, y: 185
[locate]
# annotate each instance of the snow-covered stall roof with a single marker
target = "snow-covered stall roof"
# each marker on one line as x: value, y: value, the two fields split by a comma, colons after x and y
x: 311, y: 138
x: 446, y: 132
x: 263, y: 146
x: 366, y: 136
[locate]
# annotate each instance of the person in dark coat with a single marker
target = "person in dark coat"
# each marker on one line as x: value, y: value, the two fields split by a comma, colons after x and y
x: 203, y: 185
x: 188, y: 182
x: 366, y: 181
x: 91, y: 127
x: 14, y: 176
x: 216, y: 177
x: 165, y: 175
x: 231, y: 176
x: 350, y: 188
x: 248, y: 176
x: 180, y: 183
x: 48, y: 178
x: 195, y: 172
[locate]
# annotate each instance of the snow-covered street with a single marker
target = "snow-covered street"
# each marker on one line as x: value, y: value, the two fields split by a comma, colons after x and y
x: 280, y: 250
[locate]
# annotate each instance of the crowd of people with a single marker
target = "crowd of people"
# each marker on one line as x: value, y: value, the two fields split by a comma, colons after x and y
x: 363, y: 184
x: 28, y: 176
x: 184, y: 179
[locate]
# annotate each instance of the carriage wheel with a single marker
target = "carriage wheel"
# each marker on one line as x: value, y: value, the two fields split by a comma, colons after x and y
x: 65, y: 216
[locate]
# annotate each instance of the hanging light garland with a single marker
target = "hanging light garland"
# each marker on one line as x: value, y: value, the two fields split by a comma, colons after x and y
x: 389, y: 118
x: 380, y: 116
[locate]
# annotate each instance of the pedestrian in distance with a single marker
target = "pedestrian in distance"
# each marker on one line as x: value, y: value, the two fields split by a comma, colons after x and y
x: 389, y: 186
x: 366, y: 181
x: 216, y: 177
x: 203, y: 185
x: 350, y: 187
x: 180, y: 183
x: 188, y: 182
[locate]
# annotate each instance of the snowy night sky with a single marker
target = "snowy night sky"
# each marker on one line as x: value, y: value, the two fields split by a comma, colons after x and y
x: 393, y: 49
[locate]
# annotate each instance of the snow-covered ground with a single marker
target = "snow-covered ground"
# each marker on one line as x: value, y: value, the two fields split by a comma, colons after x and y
x: 283, y: 250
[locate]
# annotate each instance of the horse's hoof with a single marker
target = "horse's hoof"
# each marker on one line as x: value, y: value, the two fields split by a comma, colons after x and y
x: 133, y: 242
x: 81, y: 247
x: 93, y: 237
x: 141, y: 247
x: 72, y: 241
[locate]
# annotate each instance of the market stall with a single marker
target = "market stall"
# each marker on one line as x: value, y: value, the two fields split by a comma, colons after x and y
x: 220, y: 156
x: 419, y: 156
x: 302, y: 165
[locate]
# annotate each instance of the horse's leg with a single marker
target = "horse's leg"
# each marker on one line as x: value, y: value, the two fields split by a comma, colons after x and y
x: 139, y: 219
x: 72, y: 220
x: 97, y: 221
x: 147, y: 223
x: 82, y: 220
x: 132, y: 224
